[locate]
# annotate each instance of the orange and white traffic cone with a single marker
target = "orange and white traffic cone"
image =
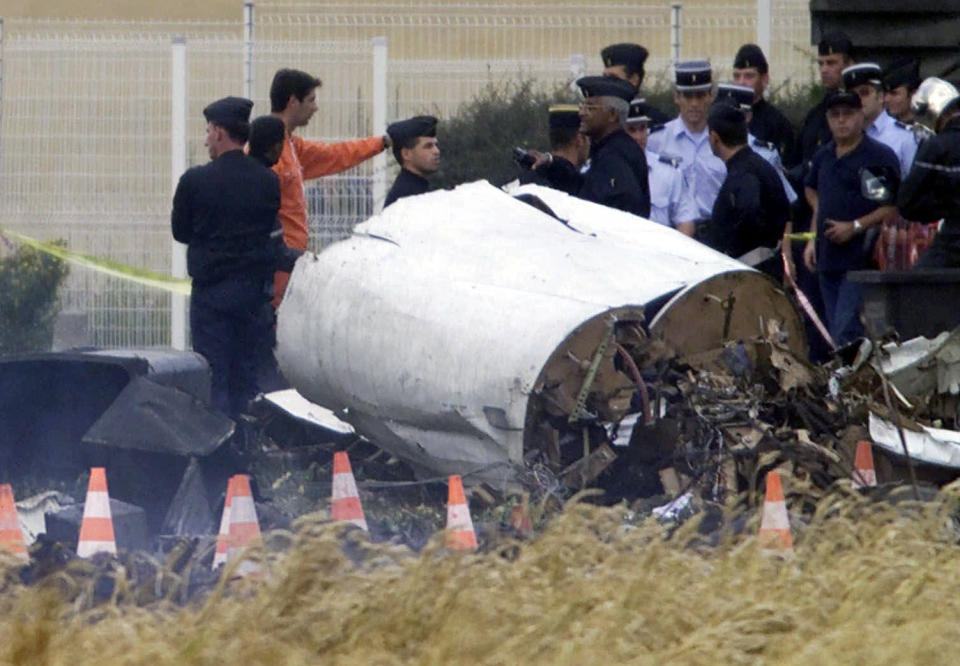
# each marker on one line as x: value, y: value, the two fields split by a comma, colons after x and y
x: 223, y: 537
x: 774, y: 533
x: 460, y: 534
x: 96, y: 530
x: 345, y: 504
x: 244, y: 526
x: 520, y: 518
x: 11, y: 536
x: 864, y: 473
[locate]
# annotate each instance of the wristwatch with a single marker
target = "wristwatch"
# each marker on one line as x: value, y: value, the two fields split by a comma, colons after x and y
x: 857, y: 227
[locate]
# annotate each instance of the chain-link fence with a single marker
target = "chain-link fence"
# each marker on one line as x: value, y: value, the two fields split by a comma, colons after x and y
x: 86, y: 106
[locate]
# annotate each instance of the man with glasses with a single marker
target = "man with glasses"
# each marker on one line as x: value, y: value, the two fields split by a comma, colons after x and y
x: 617, y: 173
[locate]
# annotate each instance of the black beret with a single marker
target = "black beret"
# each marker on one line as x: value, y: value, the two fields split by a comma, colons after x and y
x: 843, y: 98
x: 564, y: 116
x: 835, y: 42
x: 630, y: 55
x: 229, y: 112
x: 750, y: 55
x: 861, y: 73
x: 693, y: 76
x: 605, y: 86
x: 737, y: 96
x: 411, y: 128
x: 639, y: 111
x: 724, y: 115
x: 904, y: 72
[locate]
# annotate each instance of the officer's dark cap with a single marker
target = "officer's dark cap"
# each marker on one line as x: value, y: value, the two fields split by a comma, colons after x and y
x: 631, y: 56
x: 860, y: 74
x: 693, y: 76
x: 903, y: 72
x: 639, y: 112
x: 605, y: 86
x: 843, y: 98
x: 229, y: 112
x: 403, y: 131
x: 564, y: 116
x: 835, y: 42
x: 737, y: 96
x: 751, y: 55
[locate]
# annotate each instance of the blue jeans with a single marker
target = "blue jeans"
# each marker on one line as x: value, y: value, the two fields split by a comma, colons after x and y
x: 841, y: 301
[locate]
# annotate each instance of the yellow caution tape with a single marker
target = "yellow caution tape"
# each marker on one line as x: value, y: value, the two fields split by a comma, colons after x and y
x: 106, y: 266
x: 801, y: 236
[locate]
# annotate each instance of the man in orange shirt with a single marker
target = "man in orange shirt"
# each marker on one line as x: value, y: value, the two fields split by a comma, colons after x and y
x: 293, y: 99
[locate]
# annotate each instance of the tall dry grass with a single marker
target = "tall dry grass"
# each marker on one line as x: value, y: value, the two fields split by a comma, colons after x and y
x: 870, y: 583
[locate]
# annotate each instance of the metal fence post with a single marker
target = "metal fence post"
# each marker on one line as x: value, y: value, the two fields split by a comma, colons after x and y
x: 379, y: 120
x: 248, y: 49
x: 178, y: 162
x: 676, y: 9
x: 763, y: 26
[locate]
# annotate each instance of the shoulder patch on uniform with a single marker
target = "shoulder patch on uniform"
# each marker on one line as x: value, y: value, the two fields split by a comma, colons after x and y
x: 672, y: 161
x: 656, y: 128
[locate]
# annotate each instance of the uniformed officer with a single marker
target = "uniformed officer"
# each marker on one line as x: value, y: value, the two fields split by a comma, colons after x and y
x: 569, y: 149
x: 863, y: 79
x: 932, y: 190
x: 625, y: 62
x: 900, y: 81
x: 751, y: 209
x: 766, y: 123
x: 664, y: 175
x: 616, y: 175
x: 834, y: 54
x: 418, y: 154
x: 225, y: 211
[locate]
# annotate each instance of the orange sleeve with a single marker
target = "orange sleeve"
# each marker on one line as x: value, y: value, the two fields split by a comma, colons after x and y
x: 322, y: 159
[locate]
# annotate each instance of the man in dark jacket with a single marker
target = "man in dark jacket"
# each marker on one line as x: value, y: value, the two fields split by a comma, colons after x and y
x: 418, y: 154
x: 617, y: 173
x: 767, y: 123
x: 569, y: 149
x: 225, y: 211
x: 932, y: 190
x: 751, y: 209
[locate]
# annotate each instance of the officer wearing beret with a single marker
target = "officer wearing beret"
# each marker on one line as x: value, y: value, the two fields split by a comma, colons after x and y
x: 625, y: 62
x: 900, y: 80
x: 834, y: 53
x: 664, y: 174
x: 932, y: 190
x: 418, y: 154
x: 569, y: 149
x: 687, y: 138
x: 751, y: 209
x: 617, y: 173
x: 766, y: 123
x: 863, y: 79
x: 225, y: 212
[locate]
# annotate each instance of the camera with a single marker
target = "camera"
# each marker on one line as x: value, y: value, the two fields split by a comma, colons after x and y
x: 523, y: 158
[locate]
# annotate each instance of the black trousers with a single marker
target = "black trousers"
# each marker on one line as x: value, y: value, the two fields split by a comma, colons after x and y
x: 230, y: 324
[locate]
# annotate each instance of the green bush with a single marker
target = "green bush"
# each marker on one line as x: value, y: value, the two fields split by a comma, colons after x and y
x: 477, y: 142
x: 29, y: 302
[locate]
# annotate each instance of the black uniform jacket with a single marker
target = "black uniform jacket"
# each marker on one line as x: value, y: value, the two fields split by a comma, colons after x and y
x: 751, y: 208
x: 225, y: 211
x: 407, y: 184
x: 617, y: 175
x: 561, y: 175
x: 932, y: 189
x: 813, y: 133
x: 768, y: 124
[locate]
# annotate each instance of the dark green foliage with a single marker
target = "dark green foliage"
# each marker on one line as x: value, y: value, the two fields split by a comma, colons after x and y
x: 29, y: 281
x: 477, y: 142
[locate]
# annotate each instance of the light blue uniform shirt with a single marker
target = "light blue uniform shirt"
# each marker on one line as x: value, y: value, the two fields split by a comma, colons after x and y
x: 666, y: 191
x: 769, y: 152
x: 693, y: 148
x: 901, y: 139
